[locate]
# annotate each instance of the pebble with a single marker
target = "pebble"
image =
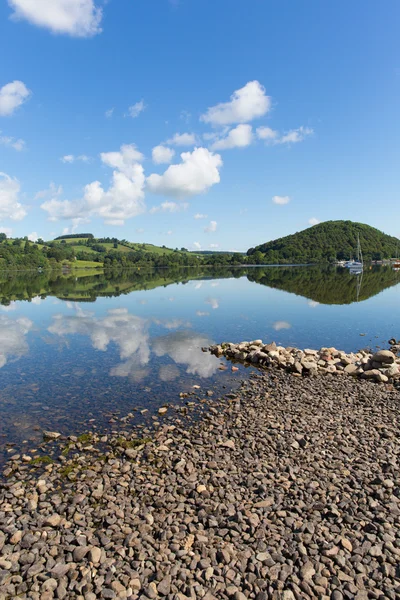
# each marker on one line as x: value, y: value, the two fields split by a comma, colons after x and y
x: 286, y: 489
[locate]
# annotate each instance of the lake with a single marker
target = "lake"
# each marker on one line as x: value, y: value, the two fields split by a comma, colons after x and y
x: 79, y: 350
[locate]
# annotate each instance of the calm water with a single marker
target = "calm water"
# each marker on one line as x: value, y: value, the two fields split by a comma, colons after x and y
x: 75, y: 351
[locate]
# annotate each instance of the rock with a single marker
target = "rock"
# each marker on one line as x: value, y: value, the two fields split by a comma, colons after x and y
x: 307, y: 572
x: 384, y: 356
x: 351, y: 369
x: 164, y: 587
x: 264, y: 503
x: 228, y: 444
x: 163, y: 410
x: 52, y: 521
x: 51, y: 435
x: 94, y: 555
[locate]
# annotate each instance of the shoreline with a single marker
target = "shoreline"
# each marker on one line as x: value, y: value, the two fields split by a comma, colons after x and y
x: 381, y: 366
x: 287, y: 487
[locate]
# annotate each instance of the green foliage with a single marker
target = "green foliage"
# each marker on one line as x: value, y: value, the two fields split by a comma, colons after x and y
x: 75, y: 236
x: 326, y: 242
x: 327, y: 285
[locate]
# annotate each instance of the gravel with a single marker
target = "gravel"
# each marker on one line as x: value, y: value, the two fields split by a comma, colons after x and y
x: 288, y: 488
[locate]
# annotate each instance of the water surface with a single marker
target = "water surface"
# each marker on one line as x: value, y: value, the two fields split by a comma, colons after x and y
x: 78, y: 350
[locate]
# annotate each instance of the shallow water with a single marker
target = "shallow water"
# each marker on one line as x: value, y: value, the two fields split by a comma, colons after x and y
x: 74, y: 351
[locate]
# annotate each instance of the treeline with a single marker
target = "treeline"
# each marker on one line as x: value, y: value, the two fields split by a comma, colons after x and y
x: 326, y: 242
x: 75, y: 236
x: 176, y: 258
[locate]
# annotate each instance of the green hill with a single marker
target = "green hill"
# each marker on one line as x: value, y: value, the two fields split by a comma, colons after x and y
x: 327, y: 242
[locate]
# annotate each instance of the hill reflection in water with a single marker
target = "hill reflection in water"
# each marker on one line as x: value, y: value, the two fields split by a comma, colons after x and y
x: 328, y: 285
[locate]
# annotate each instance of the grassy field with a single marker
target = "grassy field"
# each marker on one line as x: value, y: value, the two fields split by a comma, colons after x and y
x: 132, y: 246
x: 86, y: 264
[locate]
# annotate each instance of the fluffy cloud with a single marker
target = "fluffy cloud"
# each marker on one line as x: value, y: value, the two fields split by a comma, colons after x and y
x: 313, y: 221
x: 123, y: 200
x: 184, y: 347
x: 197, y: 172
x: 33, y: 237
x: 239, y: 137
x: 13, y: 338
x: 281, y: 200
x: 213, y: 302
x: 10, y: 208
x: 182, y: 139
x: 12, y: 95
x: 109, y: 113
x: 197, y: 245
x: 70, y: 158
x: 128, y: 332
x: 266, y: 133
x: 162, y: 155
x: 295, y: 135
x: 278, y: 325
x: 12, y: 142
x: 248, y: 103
x: 78, y: 18
x: 211, y: 227
x: 135, y: 110
x: 169, y: 207
x: 200, y: 216
x: 214, y: 245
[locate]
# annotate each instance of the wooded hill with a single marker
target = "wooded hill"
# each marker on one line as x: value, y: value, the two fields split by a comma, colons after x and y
x: 327, y: 242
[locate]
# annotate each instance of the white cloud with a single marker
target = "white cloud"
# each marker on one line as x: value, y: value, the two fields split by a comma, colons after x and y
x: 169, y: 206
x: 140, y: 230
x: 109, y: 113
x: 6, y: 230
x: 13, y: 338
x: 214, y: 303
x: 266, y: 133
x: 295, y: 135
x: 12, y: 142
x: 248, y: 103
x: 238, y: 137
x: 211, y: 227
x: 128, y: 332
x: 12, y: 95
x: 184, y: 347
x: 162, y: 155
x: 197, y: 172
x: 170, y: 232
x: 214, y: 245
x: 125, y: 160
x: 10, y: 208
x: 123, y: 200
x: 70, y: 158
x: 200, y: 216
x: 182, y: 139
x: 281, y: 199
x: 33, y: 237
x: 313, y: 221
x: 197, y: 245
x: 202, y: 313
x: 78, y: 18
x: 278, y: 325
x: 135, y: 110
x: 313, y: 304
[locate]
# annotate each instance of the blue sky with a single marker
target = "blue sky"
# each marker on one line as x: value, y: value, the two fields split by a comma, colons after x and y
x: 290, y: 110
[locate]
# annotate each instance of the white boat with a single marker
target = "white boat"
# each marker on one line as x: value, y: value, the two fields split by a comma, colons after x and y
x: 356, y: 266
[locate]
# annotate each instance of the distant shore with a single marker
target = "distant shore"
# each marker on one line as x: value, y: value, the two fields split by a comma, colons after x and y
x: 285, y: 488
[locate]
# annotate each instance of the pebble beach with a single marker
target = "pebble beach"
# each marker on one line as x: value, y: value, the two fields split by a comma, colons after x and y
x: 286, y: 488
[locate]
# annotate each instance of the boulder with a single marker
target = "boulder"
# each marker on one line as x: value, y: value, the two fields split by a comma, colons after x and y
x: 384, y: 356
